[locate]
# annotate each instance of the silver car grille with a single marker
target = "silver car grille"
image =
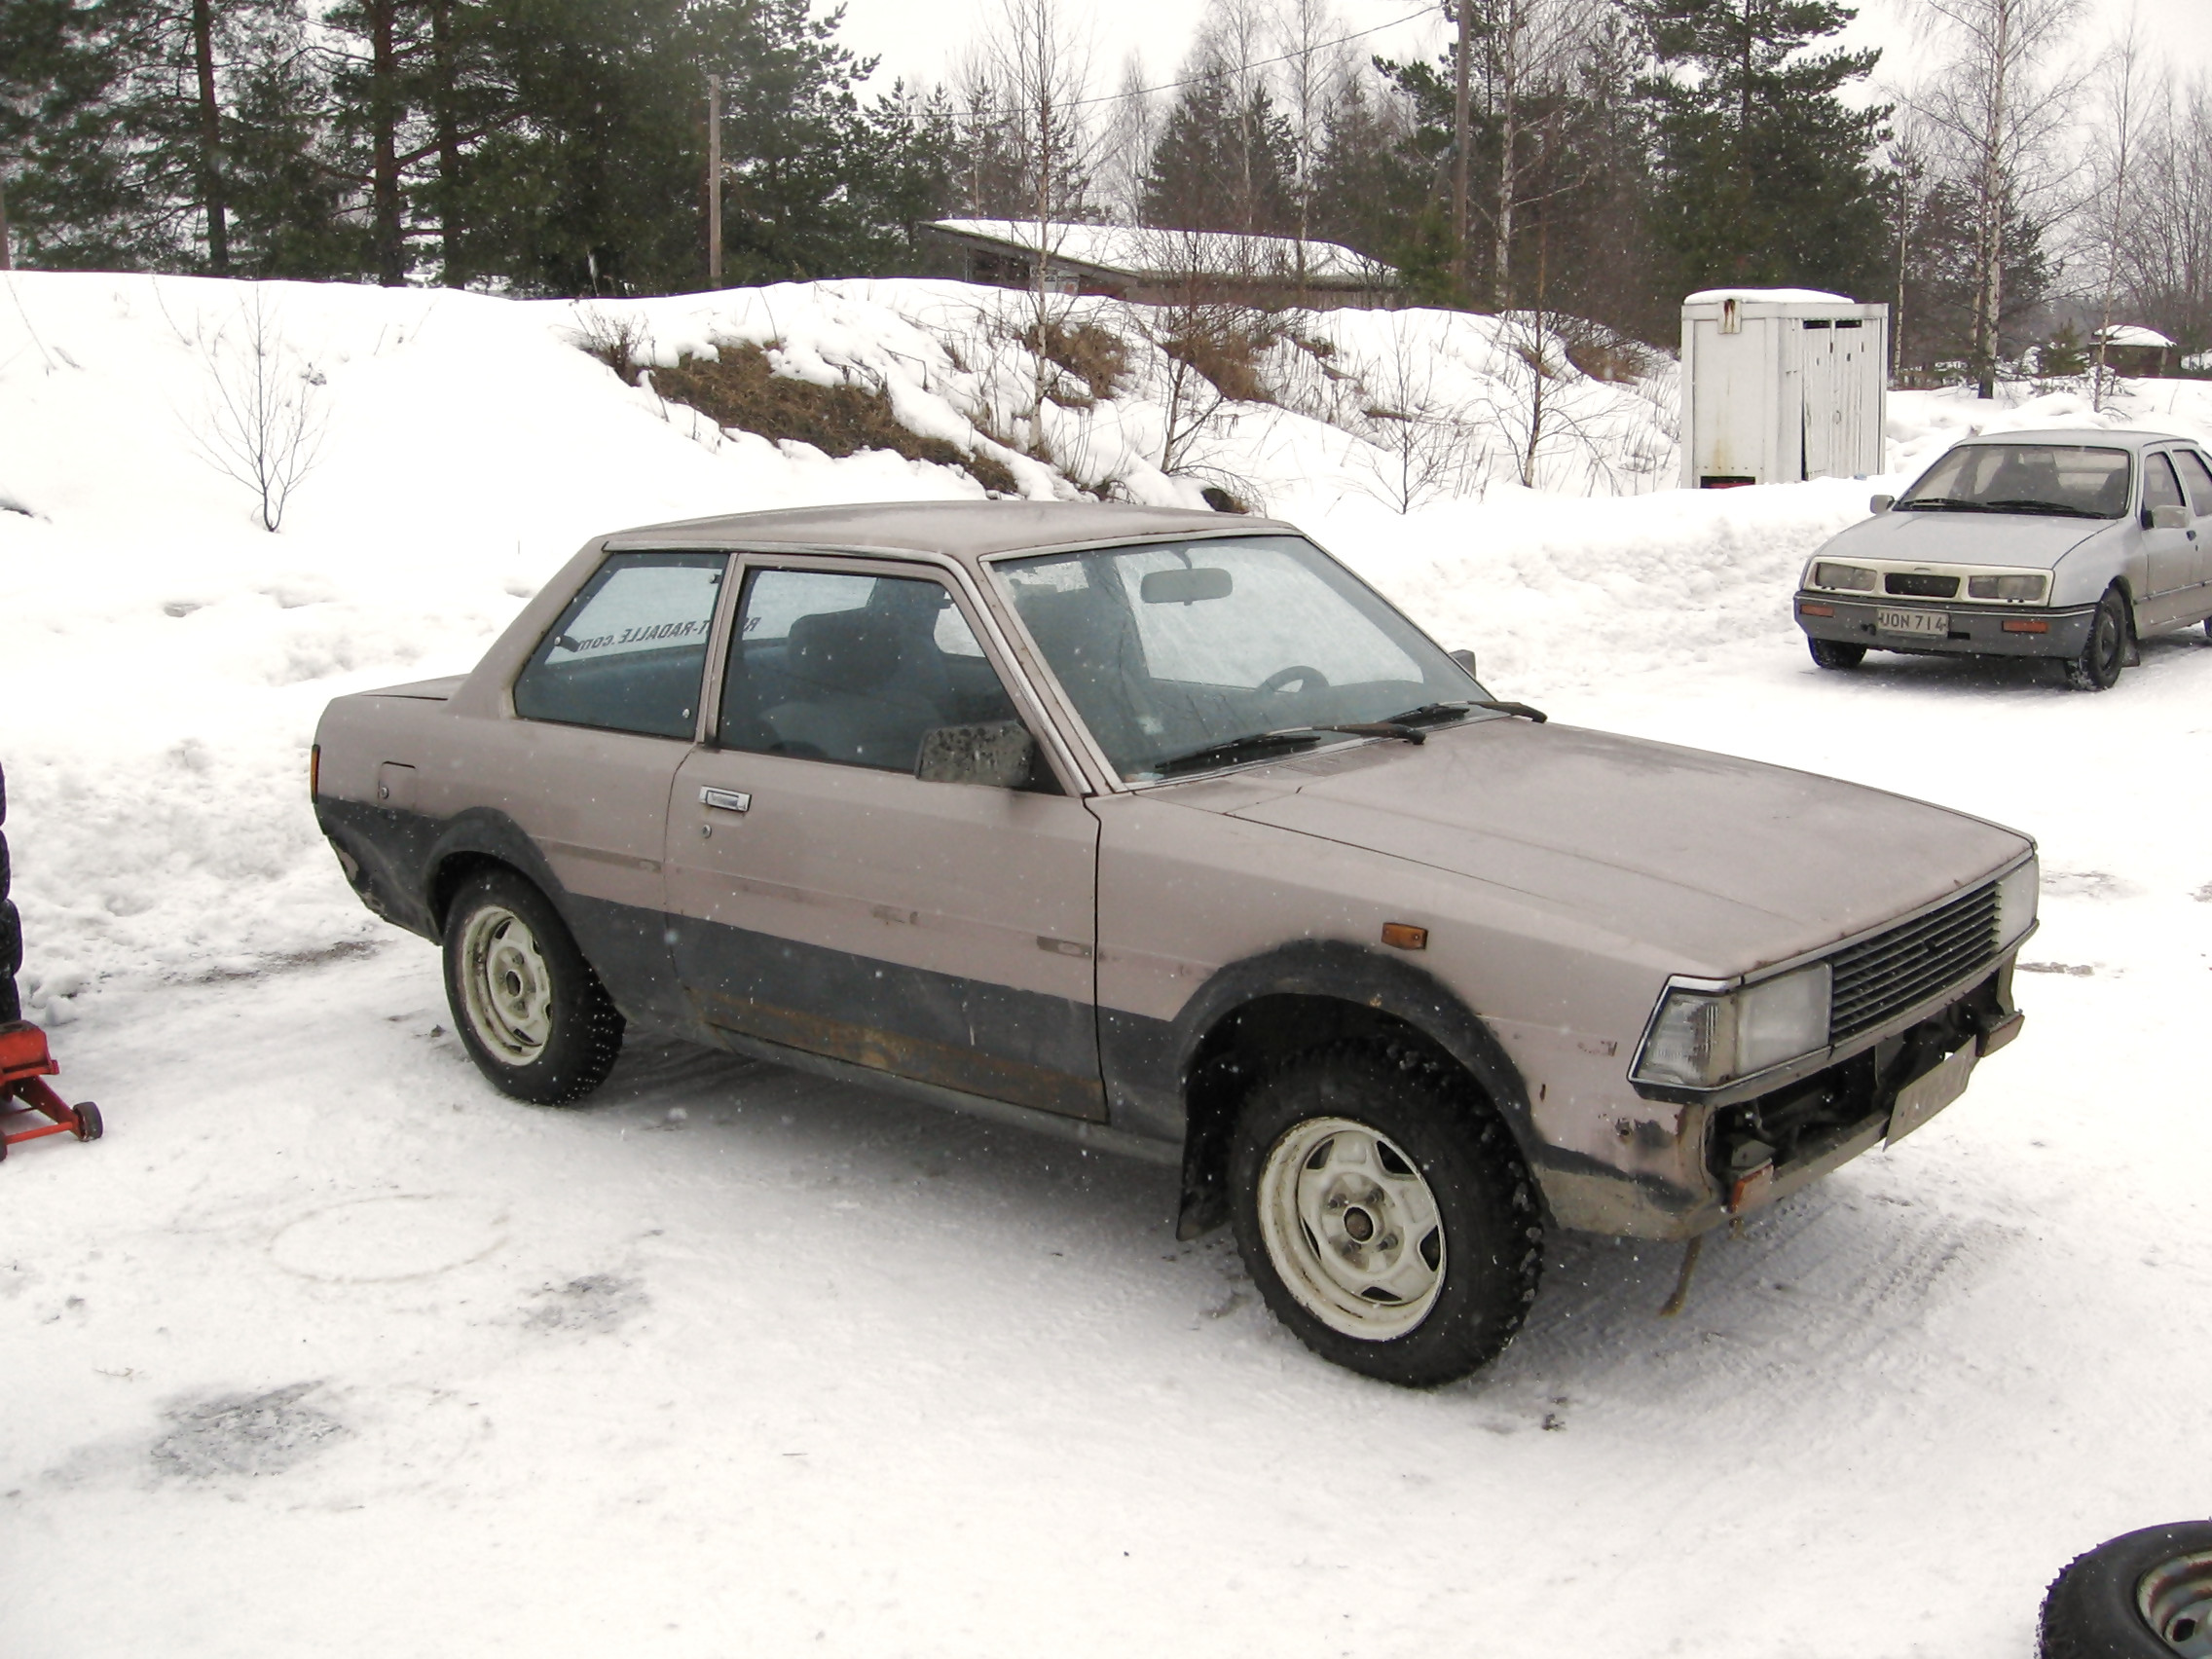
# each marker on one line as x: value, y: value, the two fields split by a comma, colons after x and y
x: 1888, y: 973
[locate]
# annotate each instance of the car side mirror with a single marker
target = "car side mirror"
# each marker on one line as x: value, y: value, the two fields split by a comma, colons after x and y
x: 1466, y: 660
x: 1881, y: 503
x: 2167, y: 517
x: 998, y: 753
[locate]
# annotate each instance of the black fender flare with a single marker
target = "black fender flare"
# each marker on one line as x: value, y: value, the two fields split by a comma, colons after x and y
x: 1358, y: 977
x: 485, y: 831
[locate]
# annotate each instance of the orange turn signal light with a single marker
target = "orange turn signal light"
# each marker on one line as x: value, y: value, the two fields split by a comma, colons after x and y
x: 315, y: 771
x: 1807, y: 607
x: 1405, y: 936
x: 2026, y: 625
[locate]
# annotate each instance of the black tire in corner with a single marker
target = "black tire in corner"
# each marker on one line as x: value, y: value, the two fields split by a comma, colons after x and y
x: 1836, y: 653
x: 1401, y: 1124
x: 2144, y: 1594
x: 2105, y: 652
x: 528, y: 1008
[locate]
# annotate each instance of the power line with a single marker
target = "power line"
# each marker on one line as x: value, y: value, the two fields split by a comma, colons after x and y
x: 1195, y: 79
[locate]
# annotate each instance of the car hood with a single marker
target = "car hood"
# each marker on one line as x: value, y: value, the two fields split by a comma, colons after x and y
x: 2017, y: 540
x: 1724, y: 865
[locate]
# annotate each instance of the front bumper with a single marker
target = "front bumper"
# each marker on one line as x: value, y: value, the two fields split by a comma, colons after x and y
x: 1748, y: 1153
x: 1976, y: 629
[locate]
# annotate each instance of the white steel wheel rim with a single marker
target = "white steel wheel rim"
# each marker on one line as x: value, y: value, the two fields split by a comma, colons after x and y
x: 507, y: 985
x: 2175, y: 1600
x: 1351, y: 1228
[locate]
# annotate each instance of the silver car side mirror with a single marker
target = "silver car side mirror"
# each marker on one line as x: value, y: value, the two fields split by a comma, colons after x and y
x: 1881, y: 503
x: 1466, y: 660
x: 998, y: 753
x: 2167, y: 517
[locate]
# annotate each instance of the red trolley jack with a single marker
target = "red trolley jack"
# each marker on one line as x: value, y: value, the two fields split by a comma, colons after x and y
x: 25, y: 1064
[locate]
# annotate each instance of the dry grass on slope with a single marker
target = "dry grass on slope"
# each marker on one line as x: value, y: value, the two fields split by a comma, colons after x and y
x: 739, y: 387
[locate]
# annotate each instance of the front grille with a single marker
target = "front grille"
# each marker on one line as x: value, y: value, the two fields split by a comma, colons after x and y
x: 1919, y: 586
x: 1888, y: 973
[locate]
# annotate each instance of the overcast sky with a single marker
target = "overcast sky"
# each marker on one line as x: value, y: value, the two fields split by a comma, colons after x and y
x: 919, y: 39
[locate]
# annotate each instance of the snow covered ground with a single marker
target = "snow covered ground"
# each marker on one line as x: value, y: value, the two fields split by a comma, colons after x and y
x: 329, y: 1349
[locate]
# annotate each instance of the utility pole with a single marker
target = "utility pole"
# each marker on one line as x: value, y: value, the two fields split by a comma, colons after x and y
x: 1461, y: 138
x: 714, y: 181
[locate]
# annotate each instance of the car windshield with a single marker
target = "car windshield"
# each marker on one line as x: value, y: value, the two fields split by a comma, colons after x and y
x: 1184, y: 656
x: 2057, y: 480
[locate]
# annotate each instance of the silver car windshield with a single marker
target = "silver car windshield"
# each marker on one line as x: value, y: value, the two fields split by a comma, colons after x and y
x: 2054, y: 480
x: 1187, y: 656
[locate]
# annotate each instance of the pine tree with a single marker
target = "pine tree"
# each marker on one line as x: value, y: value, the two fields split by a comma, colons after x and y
x: 1223, y: 166
x: 1765, y: 176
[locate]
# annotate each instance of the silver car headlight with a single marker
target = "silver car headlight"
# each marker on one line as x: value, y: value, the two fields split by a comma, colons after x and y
x: 2016, y: 902
x: 1703, y: 1039
x: 2018, y: 589
x: 1850, y: 578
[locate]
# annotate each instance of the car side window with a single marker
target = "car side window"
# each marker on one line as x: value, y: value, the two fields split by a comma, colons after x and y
x: 2160, y: 489
x: 851, y: 669
x: 630, y: 651
x: 2199, y: 479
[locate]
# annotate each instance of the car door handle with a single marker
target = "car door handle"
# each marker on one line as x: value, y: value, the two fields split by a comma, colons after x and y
x: 725, y: 800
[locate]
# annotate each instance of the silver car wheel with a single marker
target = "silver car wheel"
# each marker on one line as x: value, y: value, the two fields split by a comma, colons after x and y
x: 1351, y: 1228
x: 507, y: 984
x: 2175, y: 1598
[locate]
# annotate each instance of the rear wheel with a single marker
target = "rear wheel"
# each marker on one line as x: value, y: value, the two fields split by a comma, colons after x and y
x: 2144, y: 1594
x: 2097, y: 668
x: 531, y: 1011
x: 1836, y: 653
x: 1389, y: 1223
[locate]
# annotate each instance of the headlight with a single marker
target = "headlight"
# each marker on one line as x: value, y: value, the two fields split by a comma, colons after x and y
x: 2016, y: 904
x: 1704, y: 1039
x: 1855, y: 578
x: 2006, y: 587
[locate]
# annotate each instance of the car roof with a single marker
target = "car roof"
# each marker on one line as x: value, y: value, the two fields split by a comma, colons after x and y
x: 966, y: 530
x: 2096, y: 435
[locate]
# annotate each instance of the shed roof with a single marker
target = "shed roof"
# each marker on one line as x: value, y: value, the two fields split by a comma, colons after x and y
x: 965, y: 530
x: 2132, y: 334
x: 1135, y: 251
x: 1769, y: 296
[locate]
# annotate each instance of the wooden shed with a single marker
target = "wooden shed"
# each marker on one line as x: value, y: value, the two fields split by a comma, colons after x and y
x: 2131, y: 349
x: 1162, y: 267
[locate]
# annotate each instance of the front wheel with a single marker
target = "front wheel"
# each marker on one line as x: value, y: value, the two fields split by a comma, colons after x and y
x: 2097, y: 668
x: 1836, y: 653
x: 531, y: 1011
x: 2146, y: 1595
x: 1391, y: 1223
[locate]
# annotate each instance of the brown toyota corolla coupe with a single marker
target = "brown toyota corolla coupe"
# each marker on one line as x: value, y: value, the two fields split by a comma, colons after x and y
x: 1165, y: 830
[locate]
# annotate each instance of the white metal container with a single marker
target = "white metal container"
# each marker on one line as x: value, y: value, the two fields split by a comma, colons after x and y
x: 1782, y: 384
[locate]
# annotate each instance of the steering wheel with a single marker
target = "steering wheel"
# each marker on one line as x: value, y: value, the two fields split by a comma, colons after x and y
x: 1306, y: 679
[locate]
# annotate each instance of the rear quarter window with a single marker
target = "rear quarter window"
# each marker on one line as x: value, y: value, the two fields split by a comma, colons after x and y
x: 2196, y: 479
x: 630, y: 651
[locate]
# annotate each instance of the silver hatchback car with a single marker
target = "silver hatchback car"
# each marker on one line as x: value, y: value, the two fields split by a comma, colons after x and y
x: 2067, y: 545
x: 1165, y: 832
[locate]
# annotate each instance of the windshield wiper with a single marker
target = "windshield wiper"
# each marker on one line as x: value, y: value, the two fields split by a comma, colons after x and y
x: 2053, y: 508
x: 1250, y: 747
x: 1942, y: 503
x: 1287, y: 739
x: 1430, y: 713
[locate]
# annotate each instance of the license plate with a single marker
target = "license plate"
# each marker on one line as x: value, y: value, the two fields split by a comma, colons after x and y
x: 1922, y: 1098
x: 1934, y: 623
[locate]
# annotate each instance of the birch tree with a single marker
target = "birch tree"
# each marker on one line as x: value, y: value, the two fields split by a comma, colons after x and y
x: 2003, y: 114
x: 2116, y: 161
